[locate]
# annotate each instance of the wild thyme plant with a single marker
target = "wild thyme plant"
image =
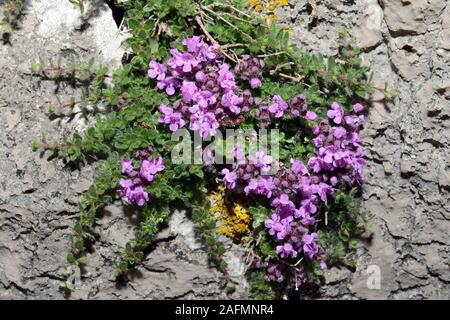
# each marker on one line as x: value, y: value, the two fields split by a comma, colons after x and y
x: 205, y: 66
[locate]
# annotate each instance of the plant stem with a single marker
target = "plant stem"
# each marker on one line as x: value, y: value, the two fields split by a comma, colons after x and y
x: 228, y: 6
x: 210, y: 37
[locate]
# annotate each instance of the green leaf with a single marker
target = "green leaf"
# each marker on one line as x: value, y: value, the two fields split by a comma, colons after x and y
x: 70, y: 258
x: 133, y: 24
x: 259, y: 214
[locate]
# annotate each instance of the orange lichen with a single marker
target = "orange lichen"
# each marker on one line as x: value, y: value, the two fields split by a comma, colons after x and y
x: 234, y: 218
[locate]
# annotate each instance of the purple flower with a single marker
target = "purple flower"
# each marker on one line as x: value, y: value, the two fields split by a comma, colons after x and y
x: 339, y: 132
x: 204, y: 99
x: 170, y: 84
x: 202, y: 50
x: 255, y: 83
x: 134, y: 194
x: 322, y: 190
x: 188, y: 89
x: 150, y: 168
x: 226, y: 78
x: 333, y: 180
x: 126, y: 186
x: 127, y: 165
x: 205, y: 123
x: 304, y: 213
x: 298, y: 106
x: 279, y: 227
x: 310, y: 115
x: 251, y: 187
x: 336, y: 113
x: 265, y: 186
x: 232, y: 102
x: 275, y: 272
x: 310, y: 246
x: 286, y: 250
x: 250, y: 69
x: 358, y: 107
x: 173, y: 119
x: 278, y: 107
x: 229, y: 178
x: 185, y: 61
x: 134, y: 189
x: 298, y: 167
x: 261, y: 161
x: 139, y: 196
x: 282, y: 200
x: 194, y: 44
x: 156, y: 70
x: 200, y: 76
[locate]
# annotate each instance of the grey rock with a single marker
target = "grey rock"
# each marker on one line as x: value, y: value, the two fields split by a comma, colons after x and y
x: 384, y: 263
x: 444, y: 178
x: 184, y: 227
x: 39, y: 198
x: 411, y: 17
x: 415, y: 268
x: 367, y: 30
x: 407, y: 165
x: 436, y: 258
x: 335, y: 275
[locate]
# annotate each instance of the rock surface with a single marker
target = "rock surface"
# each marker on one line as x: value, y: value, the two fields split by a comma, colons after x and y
x: 407, y: 140
x: 39, y: 198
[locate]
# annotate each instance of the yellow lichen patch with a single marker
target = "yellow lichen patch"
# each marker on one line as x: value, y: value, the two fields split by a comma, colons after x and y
x: 256, y: 5
x: 288, y: 30
x: 267, y: 7
x: 234, y: 218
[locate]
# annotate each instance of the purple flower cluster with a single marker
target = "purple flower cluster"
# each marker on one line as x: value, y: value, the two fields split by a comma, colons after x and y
x: 207, y: 85
x: 209, y: 90
x: 293, y: 194
x: 339, y: 154
x: 296, y: 193
x: 250, y: 69
x: 133, y: 187
x: 279, y: 108
x: 210, y: 98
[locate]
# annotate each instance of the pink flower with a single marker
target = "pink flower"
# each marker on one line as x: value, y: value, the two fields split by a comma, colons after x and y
x: 232, y: 102
x: 188, y: 89
x: 139, y: 196
x: 150, y: 168
x: 310, y: 115
x: 185, y: 61
x: 156, y: 70
x: 127, y: 165
x: 358, y: 107
x: 310, y: 246
x: 229, y: 178
x: 286, y: 250
x: 255, y: 83
x: 226, y: 78
x: 336, y: 113
x: 278, y: 107
x: 173, y: 119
